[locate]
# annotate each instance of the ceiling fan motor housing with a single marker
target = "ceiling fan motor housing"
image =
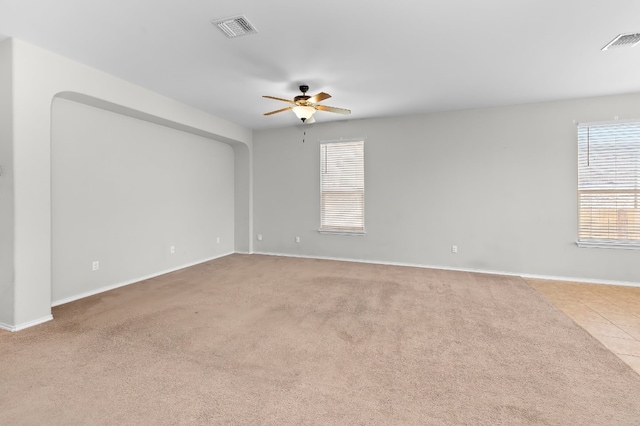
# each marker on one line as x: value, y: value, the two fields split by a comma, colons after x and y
x: 301, y: 99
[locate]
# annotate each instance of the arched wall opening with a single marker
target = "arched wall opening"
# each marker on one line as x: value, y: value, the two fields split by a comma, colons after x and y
x: 32, y: 78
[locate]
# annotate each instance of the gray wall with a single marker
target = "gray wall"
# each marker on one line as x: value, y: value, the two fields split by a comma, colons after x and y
x: 243, y: 217
x: 500, y: 183
x: 6, y: 185
x: 125, y: 190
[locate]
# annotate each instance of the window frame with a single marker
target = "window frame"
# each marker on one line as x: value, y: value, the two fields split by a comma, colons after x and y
x: 347, y: 232
x: 609, y: 243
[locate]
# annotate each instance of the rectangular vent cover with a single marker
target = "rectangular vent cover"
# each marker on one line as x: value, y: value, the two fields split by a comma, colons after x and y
x: 623, y: 40
x: 236, y: 26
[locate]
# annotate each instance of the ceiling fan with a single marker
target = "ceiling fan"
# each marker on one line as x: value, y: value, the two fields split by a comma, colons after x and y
x: 305, y: 106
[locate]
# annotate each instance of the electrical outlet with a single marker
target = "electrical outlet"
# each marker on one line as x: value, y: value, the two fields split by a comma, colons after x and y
x: 297, y: 239
x: 172, y: 249
x: 95, y: 265
x: 259, y: 237
x: 454, y: 249
x: 218, y: 240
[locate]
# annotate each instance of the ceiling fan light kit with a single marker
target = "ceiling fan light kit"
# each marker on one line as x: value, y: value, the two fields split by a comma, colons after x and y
x: 304, y: 112
x: 305, y: 106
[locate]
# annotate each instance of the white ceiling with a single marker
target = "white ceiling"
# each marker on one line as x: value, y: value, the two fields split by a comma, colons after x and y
x: 376, y: 58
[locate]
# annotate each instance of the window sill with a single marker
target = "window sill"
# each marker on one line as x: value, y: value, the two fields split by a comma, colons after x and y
x: 608, y: 245
x: 337, y: 232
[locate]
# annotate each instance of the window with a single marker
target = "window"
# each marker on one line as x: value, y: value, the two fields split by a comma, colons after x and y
x: 609, y: 184
x: 342, y: 187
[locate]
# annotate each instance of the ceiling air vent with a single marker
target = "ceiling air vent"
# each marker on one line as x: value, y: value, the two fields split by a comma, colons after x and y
x: 623, y: 40
x: 236, y: 26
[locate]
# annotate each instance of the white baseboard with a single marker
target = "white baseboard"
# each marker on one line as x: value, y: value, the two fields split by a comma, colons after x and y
x: 24, y: 325
x: 342, y: 259
x: 449, y: 268
x: 133, y: 281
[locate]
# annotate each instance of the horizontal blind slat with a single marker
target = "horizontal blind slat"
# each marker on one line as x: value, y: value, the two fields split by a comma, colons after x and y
x: 342, y: 186
x: 609, y: 181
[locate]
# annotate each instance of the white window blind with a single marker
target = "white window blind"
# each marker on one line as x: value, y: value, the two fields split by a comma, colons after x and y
x: 609, y: 183
x: 342, y: 187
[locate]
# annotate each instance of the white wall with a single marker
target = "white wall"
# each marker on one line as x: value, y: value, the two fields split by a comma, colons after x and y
x: 6, y: 185
x: 125, y: 190
x: 38, y: 76
x: 500, y: 183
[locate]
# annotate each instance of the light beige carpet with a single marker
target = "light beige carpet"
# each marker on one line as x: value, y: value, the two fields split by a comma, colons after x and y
x: 251, y: 339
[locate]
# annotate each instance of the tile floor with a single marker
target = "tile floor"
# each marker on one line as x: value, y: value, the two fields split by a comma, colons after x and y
x: 610, y: 313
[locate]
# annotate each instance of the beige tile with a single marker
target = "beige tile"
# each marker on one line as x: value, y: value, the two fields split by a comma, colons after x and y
x: 623, y: 320
x: 610, y: 313
x: 587, y: 298
x: 631, y: 331
x: 607, y: 330
x: 561, y: 298
x: 570, y: 305
x: 611, y: 309
x: 629, y: 300
x: 587, y: 316
x: 621, y: 346
x: 632, y: 361
x: 606, y: 308
x: 623, y: 293
x: 628, y: 307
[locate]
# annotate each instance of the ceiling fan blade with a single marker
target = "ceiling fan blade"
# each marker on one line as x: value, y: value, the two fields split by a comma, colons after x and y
x: 334, y: 109
x: 278, y: 110
x: 279, y: 99
x: 319, y: 97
